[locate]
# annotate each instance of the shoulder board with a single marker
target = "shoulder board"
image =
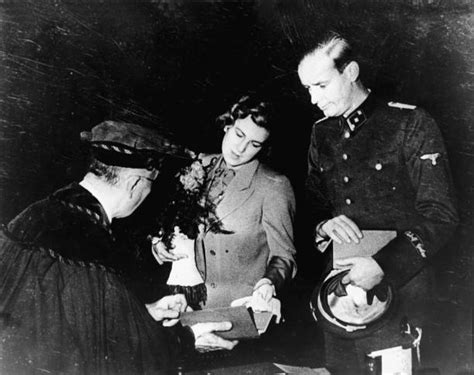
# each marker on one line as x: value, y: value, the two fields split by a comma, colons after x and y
x: 321, y: 120
x: 401, y: 105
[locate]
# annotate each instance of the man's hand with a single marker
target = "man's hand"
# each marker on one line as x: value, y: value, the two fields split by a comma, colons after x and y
x: 161, y: 254
x: 364, y: 272
x: 339, y: 229
x: 207, y: 341
x: 168, y: 309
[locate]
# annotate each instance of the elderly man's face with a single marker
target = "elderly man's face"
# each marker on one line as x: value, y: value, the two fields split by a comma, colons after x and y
x: 242, y: 142
x: 329, y: 89
x: 139, y: 186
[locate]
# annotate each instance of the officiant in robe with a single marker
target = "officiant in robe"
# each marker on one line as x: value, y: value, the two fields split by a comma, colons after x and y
x: 64, y: 304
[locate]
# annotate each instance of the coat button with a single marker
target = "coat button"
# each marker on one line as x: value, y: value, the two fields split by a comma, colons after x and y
x: 345, y: 157
x: 212, y: 252
x: 347, y: 134
x: 213, y: 285
x: 346, y: 179
x: 348, y: 201
x: 378, y: 166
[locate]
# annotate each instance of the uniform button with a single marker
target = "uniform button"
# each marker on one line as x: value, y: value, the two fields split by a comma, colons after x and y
x: 348, y: 201
x: 347, y: 135
x: 227, y: 251
x: 346, y: 179
x: 345, y: 157
x: 212, y: 252
x: 213, y: 285
x: 378, y: 166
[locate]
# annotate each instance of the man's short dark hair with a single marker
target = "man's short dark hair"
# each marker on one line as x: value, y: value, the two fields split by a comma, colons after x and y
x: 336, y: 46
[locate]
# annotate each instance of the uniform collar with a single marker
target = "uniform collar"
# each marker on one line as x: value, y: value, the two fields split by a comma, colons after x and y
x: 360, y: 115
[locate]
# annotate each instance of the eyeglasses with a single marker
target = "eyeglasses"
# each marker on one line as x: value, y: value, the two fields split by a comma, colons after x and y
x: 148, y: 178
x: 145, y: 178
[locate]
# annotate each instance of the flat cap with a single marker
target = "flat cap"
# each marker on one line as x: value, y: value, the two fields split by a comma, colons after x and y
x: 130, y: 145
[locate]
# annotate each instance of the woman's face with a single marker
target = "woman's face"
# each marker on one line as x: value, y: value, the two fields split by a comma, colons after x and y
x: 242, y: 142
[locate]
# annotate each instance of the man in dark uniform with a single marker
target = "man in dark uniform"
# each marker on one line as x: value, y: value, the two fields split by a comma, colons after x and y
x: 374, y: 165
x: 64, y: 303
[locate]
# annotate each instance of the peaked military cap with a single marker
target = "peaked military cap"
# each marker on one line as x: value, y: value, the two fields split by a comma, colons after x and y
x: 130, y: 145
x: 339, y: 309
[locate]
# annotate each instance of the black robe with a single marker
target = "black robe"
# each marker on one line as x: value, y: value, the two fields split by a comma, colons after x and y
x: 64, y: 305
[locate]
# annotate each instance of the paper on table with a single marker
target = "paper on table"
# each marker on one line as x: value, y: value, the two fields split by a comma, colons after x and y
x: 396, y: 360
x: 302, y: 370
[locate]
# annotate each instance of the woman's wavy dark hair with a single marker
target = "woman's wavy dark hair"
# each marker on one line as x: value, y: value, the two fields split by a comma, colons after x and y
x: 261, y: 113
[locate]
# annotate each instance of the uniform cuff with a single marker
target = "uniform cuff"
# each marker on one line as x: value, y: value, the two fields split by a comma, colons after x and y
x: 399, y: 260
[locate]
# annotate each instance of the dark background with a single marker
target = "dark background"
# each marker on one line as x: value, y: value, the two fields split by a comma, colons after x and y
x: 67, y: 65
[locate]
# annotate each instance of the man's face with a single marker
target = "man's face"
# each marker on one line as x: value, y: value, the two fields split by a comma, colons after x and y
x: 139, y: 187
x: 329, y: 89
x: 242, y: 142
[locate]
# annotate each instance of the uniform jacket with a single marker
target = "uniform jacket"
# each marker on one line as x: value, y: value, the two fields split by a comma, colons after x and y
x: 64, y: 306
x: 258, y: 209
x: 390, y: 172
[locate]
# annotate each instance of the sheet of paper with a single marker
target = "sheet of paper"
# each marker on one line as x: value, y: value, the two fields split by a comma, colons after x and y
x: 243, y: 326
x: 302, y: 370
x: 369, y: 245
x: 395, y: 360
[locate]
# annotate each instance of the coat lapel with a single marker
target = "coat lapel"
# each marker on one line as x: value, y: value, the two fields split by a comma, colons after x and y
x: 238, y: 191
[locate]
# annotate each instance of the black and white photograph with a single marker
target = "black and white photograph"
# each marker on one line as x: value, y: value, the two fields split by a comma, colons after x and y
x: 236, y: 187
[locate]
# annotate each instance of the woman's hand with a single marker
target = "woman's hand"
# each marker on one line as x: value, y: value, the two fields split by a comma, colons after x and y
x: 263, y: 299
x: 264, y: 289
x: 161, y: 253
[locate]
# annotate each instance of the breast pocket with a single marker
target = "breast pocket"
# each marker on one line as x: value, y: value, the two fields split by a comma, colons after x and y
x: 326, y: 164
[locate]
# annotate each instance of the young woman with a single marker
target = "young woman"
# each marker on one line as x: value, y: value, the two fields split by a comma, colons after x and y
x: 253, y: 254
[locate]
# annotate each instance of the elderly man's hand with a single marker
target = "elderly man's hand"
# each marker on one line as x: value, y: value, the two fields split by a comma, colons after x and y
x: 168, y: 309
x: 161, y: 253
x: 364, y: 272
x: 207, y: 341
x: 339, y: 229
